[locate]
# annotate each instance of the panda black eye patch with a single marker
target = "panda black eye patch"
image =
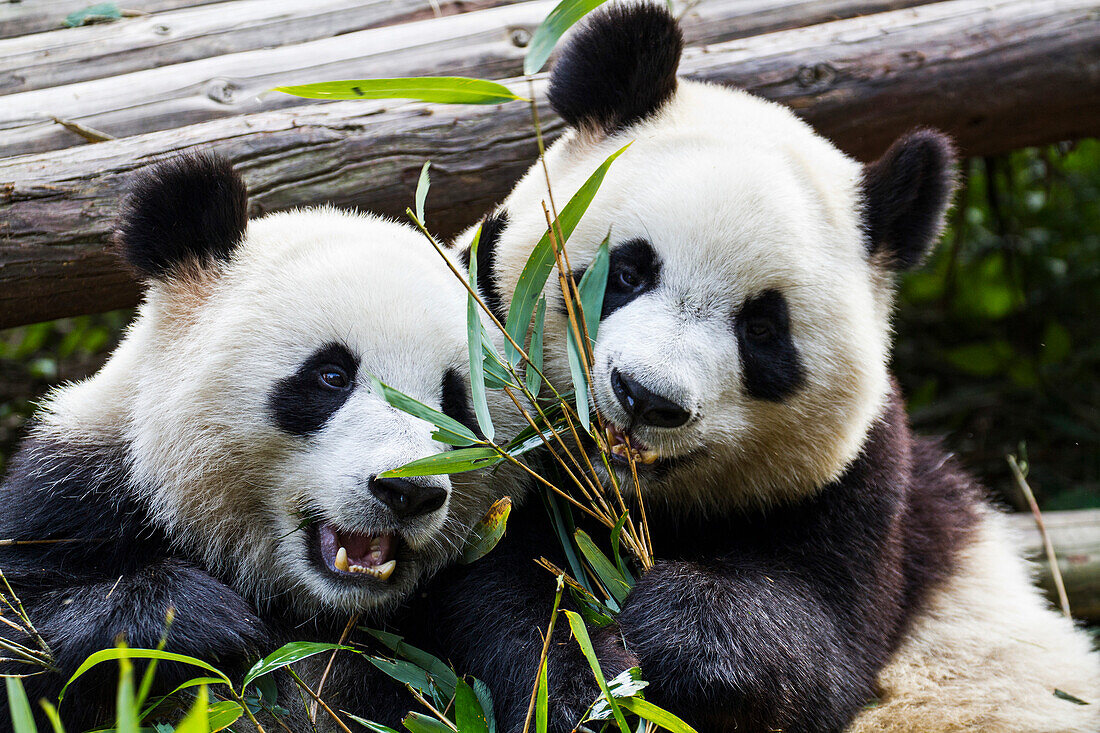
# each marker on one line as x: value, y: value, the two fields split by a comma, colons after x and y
x: 303, y: 402
x: 633, y: 271
x: 455, y: 402
x: 771, y: 368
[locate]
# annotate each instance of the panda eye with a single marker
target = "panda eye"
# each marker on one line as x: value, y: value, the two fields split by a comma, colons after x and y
x: 331, y: 376
x: 760, y: 329
x: 628, y: 279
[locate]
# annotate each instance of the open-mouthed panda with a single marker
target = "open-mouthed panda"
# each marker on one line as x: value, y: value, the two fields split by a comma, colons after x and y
x: 813, y: 554
x: 224, y: 462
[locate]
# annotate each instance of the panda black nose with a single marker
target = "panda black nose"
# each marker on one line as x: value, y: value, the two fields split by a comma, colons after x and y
x: 407, y: 499
x: 645, y: 406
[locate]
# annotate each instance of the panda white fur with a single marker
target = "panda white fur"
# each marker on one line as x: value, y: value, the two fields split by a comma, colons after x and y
x: 814, y: 555
x: 225, y: 461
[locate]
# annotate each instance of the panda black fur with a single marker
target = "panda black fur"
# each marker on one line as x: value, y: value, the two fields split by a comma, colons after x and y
x: 813, y: 554
x: 237, y: 406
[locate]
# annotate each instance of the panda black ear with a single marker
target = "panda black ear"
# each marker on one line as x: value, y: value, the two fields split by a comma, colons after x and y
x: 906, y: 195
x: 188, y: 210
x: 618, y: 68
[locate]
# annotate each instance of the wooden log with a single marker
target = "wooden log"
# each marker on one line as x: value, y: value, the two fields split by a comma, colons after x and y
x: 487, y: 44
x: 20, y: 17
x: 369, y: 154
x: 1076, y: 539
x: 99, y: 51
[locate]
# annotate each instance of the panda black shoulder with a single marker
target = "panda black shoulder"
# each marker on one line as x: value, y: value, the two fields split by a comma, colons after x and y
x: 618, y: 68
x: 190, y: 209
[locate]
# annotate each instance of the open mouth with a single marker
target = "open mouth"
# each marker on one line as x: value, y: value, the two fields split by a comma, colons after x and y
x: 357, y: 554
x: 624, y: 448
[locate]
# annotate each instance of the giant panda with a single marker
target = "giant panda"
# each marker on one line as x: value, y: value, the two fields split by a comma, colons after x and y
x: 819, y: 567
x: 224, y: 462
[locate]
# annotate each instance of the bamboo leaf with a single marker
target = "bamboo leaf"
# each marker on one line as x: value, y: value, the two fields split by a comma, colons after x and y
x: 469, y: 717
x: 221, y: 715
x: 448, y: 430
x: 439, y: 673
x: 99, y: 13
x: 408, y: 673
x: 422, y: 191
x: 288, y: 654
x: 195, y: 682
x: 590, y: 290
x: 648, y: 711
x: 197, y: 718
x: 419, y: 723
x: 534, y: 351
x: 441, y: 89
x: 580, y: 633
x: 369, y: 725
x: 486, y: 699
x: 542, y: 701
x: 452, y: 461
x: 106, y: 655
x: 609, y: 576
x: 22, y: 720
x: 52, y: 716
x: 627, y: 683
x: 537, y: 269
x: 126, y: 713
x: 561, y: 18
x: 475, y: 338
x: 488, y: 531
x: 616, y: 542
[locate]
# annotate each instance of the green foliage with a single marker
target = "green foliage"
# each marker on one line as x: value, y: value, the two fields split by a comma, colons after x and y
x: 998, y: 339
x: 439, y: 89
x: 546, y: 36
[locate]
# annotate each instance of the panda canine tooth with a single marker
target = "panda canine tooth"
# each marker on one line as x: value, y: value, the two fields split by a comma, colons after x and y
x: 341, y: 562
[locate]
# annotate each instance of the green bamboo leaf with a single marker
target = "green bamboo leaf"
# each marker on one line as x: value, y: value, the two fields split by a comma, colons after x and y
x: 422, y: 191
x: 288, y: 654
x: 369, y: 725
x: 648, y: 711
x: 22, y: 720
x: 488, y: 531
x: 99, y: 13
x: 106, y: 655
x: 534, y: 351
x: 197, y: 718
x: 561, y: 18
x: 535, y: 272
x: 486, y: 699
x: 542, y: 701
x: 475, y: 337
x: 195, y: 682
x: 590, y: 290
x: 441, y: 675
x: 126, y: 706
x: 221, y: 715
x: 616, y: 542
x: 580, y: 633
x: 52, y: 716
x: 408, y: 673
x: 441, y: 89
x: 605, y: 570
x: 469, y: 717
x: 452, y: 461
x: 419, y: 723
x: 448, y: 430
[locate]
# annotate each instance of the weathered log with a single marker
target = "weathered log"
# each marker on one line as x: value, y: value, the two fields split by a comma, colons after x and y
x: 55, y: 207
x: 19, y: 17
x: 487, y: 44
x: 98, y: 51
x: 1075, y: 536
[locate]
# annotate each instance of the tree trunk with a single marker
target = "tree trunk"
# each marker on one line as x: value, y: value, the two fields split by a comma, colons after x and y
x: 997, y: 76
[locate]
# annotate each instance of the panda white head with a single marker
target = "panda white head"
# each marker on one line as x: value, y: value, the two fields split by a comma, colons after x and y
x: 745, y: 332
x: 242, y: 392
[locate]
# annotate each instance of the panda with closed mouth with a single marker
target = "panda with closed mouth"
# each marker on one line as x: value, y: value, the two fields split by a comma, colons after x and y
x: 225, y: 461
x: 813, y: 555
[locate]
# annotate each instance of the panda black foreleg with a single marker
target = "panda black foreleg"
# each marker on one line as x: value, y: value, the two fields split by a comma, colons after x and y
x: 211, y: 622
x: 740, y: 646
x: 489, y: 618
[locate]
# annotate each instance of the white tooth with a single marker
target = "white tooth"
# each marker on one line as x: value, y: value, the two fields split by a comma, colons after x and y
x: 385, y: 570
x: 648, y: 457
x: 341, y: 561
